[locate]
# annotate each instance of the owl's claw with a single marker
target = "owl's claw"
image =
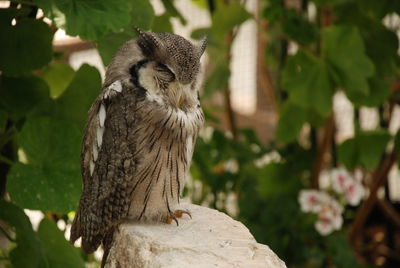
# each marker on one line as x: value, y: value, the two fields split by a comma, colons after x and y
x: 177, y: 214
x: 172, y: 217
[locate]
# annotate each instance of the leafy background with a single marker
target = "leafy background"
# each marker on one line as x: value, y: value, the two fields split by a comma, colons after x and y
x: 344, y: 47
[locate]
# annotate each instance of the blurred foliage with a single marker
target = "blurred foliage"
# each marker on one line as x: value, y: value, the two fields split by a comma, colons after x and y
x: 366, y: 149
x: 344, y: 47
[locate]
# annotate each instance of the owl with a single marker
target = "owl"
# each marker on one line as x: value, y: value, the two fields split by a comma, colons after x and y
x: 139, y: 137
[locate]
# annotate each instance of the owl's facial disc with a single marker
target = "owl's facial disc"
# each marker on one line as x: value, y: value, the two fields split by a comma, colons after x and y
x: 173, y: 67
x: 180, y: 55
x: 162, y: 86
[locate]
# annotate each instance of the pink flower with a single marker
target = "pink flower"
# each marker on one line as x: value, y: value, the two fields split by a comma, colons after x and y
x: 324, y: 227
x: 354, y: 192
x: 329, y: 218
x: 310, y: 200
x: 329, y: 211
x: 340, y: 178
x: 344, y: 183
x: 350, y: 186
x: 314, y: 200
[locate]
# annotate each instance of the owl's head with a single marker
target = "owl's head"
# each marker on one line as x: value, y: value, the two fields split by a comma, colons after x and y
x: 166, y: 65
x: 177, y: 54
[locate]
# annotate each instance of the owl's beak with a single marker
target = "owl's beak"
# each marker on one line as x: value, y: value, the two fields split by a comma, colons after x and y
x: 181, y: 99
x: 178, y: 96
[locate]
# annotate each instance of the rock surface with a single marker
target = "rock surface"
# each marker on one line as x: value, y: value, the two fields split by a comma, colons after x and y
x: 209, y: 239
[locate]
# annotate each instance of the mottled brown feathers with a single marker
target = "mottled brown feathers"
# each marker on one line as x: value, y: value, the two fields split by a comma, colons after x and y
x: 105, y: 198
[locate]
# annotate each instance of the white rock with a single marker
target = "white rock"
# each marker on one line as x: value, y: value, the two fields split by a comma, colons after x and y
x: 209, y: 239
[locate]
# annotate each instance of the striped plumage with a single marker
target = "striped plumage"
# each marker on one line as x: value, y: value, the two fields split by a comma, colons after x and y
x: 139, y: 137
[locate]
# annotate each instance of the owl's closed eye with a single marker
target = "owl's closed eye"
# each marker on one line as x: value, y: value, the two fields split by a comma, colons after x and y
x: 164, y: 73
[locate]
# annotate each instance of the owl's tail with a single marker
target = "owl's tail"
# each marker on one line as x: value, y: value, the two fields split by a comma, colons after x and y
x: 90, y: 240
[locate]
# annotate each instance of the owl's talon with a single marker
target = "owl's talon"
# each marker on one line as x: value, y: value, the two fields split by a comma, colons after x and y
x: 175, y: 215
x: 172, y: 217
x: 179, y: 213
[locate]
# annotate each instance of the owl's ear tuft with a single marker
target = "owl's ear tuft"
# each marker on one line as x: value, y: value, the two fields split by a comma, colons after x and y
x: 149, y: 43
x: 202, y: 45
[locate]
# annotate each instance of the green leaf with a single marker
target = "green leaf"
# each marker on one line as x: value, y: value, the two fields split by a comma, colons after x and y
x: 339, y: 248
x: 51, y: 180
x: 365, y: 149
x: 74, y: 103
x: 344, y: 50
x: 60, y: 253
x: 199, y: 33
x: 25, y: 46
x: 328, y: 2
x: 373, y: 145
x: 171, y: 9
x: 142, y: 15
x: 298, y: 28
x: 51, y: 139
x: 381, y: 46
x: 375, y: 9
x: 291, y: 121
x: 46, y: 189
x: 88, y: 19
x: 275, y: 179
x: 58, y: 76
x: 217, y: 79
x: 348, y: 153
x: 315, y: 119
x: 162, y: 24
x: 200, y: 3
x: 7, y: 15
x: 51, y: 143
x: 111, y: 42
x: 76, y: 100
x: 381, y: 43
x: 19, y: 95
x: 274, y: 11
x: 225, y: 19
x: 29, y: 252
x: 378, y: 93
x: 307, y: 81
x: 212, y: 41
x: 298, y: 159
x: 3, y: 121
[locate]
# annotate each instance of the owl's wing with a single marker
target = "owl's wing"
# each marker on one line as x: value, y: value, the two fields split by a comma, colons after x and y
x: 108, y: 165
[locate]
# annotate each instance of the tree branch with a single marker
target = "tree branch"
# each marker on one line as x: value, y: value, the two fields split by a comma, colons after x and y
x: 322, y: 151
x: 380, y: 175
x: 265, y: 87
x: 389, y: 211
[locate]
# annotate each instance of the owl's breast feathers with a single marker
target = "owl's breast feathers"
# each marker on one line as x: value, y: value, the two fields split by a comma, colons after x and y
x: 130, y: 142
